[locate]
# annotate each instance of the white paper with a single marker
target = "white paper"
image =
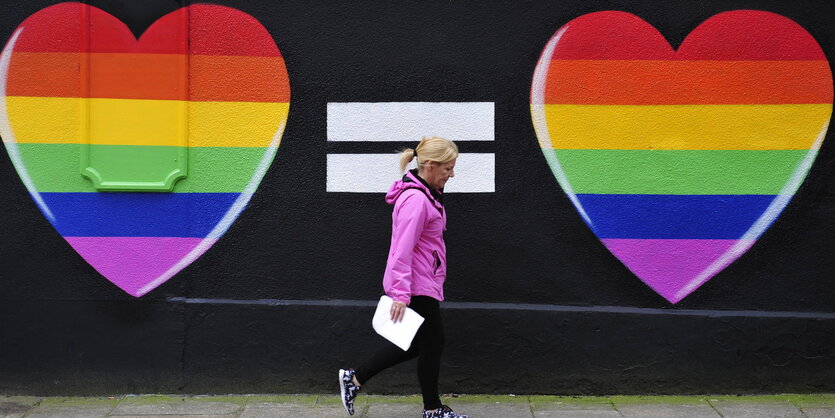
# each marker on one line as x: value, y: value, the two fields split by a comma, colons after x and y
x: 400, y: 333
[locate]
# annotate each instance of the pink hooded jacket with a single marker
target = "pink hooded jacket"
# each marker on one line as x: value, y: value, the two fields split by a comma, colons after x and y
x: 417, y: 258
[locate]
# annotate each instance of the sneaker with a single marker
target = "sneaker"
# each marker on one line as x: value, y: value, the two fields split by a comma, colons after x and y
x: 348, y: 388
x: 442, y: 412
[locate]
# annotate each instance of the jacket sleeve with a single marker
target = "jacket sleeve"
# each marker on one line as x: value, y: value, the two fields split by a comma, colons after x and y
x: 407, y: 224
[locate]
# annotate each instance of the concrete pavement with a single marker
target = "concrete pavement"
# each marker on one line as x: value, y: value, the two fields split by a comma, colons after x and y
x: 477, y: 406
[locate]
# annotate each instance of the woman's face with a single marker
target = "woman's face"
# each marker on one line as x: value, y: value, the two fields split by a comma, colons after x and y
x: 437, y: 174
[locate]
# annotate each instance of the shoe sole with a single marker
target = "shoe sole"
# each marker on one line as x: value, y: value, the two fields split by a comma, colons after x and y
x: 342, y: 391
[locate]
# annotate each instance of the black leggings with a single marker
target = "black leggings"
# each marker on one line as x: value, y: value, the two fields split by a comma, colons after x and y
x: 427, y: 347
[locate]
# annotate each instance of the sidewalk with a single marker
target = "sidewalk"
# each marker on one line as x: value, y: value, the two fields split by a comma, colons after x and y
x: 476, y: 406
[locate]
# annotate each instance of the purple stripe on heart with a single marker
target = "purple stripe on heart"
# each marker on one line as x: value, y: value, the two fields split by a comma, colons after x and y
x: 675, y: 267
x: 136, y: 264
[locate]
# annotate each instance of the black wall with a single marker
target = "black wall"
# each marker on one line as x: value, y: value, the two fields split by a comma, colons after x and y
x: 765, y: 324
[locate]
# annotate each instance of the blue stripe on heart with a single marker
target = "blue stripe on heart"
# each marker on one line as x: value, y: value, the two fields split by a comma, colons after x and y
x: 673, y: 216
x: 137, y: 214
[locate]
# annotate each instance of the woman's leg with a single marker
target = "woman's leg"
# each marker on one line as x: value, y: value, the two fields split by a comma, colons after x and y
x: 427, y: 346
x: 387, y: 356
x: 391, y: 355
x: 430, y: 340
x: 351, y: 380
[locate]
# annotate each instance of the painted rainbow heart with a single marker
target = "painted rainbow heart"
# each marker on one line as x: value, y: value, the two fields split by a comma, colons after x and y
x: 142, y: 153
x: 679, y: 160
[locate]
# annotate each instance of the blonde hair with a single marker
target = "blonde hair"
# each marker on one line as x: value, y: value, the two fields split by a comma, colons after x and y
x: 430, y: 148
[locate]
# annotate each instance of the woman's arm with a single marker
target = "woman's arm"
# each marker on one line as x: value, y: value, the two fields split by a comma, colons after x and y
x: 408, y: 223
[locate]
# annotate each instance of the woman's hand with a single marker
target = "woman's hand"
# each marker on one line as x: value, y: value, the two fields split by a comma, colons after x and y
x: 398, y: 309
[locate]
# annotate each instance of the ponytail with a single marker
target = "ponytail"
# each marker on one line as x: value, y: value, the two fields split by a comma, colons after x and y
x: 406, y: 157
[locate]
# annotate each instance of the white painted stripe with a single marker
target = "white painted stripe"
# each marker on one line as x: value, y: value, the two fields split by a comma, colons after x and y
x: 474, y: 173
x: 410, y: 121
x: 8, y: 134
x: 374, y: 173
x: 540, y: 73
x: 228, y: 218
x: 765, y: 220
x: 540, y: 124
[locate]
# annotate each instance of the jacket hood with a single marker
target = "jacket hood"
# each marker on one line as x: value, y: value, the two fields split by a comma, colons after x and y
x: 411, y: 181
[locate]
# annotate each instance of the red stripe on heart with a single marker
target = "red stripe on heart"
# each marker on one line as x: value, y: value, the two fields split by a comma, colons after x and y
x: 58, y: 30
x: 736, y: 35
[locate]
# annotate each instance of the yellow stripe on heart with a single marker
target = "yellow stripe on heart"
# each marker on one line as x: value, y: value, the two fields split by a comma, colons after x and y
x: 684, y: 127
x: 58, y: 120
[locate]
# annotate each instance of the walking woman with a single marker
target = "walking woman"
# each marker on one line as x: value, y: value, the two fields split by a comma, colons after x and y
x: 415, y: 272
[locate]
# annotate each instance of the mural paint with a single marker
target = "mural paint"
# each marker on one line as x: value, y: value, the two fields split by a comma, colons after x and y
x: 678, y: 160
x: 197, y: 105
x: 385, y: 122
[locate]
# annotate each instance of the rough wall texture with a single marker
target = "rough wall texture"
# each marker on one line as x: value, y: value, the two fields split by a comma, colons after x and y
x: 157, y: 238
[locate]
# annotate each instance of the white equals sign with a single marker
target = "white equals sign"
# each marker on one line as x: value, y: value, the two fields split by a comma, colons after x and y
x: 408, y: 122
